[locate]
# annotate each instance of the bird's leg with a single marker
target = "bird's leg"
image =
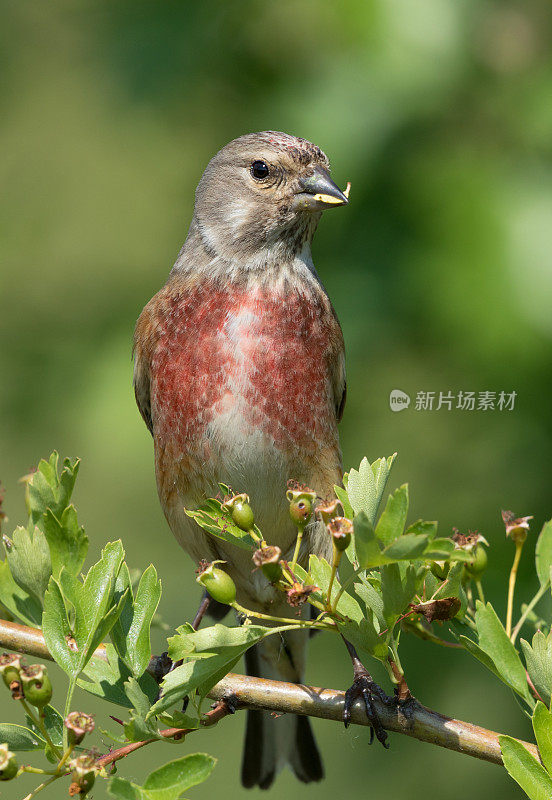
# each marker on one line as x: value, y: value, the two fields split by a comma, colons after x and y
x: 365, y: 688
x: 201, y: 611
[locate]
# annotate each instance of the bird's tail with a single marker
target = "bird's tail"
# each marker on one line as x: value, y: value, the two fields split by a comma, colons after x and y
x: 271, y: 743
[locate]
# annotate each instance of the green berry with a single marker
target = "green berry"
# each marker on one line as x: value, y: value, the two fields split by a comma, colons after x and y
x: 78, y: 725
x: 242, y: 515
x: 300, y: 505
x: 219, y: 584
x: 8, y: 764
x: 340, y: 529
x: 268, y: 559
x: 36, y: 685
x: 476, y: 568
x: 10, y: 667
x: 83, y: 774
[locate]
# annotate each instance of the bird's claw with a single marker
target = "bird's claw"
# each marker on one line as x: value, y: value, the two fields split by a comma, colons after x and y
x: 363, y: 687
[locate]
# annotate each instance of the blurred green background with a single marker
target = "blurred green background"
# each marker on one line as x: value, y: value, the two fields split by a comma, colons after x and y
x: 440, y: 269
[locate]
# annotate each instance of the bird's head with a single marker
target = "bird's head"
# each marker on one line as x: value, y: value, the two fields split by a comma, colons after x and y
x: 263, y: 194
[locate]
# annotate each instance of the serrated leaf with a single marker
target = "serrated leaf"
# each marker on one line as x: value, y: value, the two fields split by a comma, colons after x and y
x: 131, y: 632
x: 218, y: 648
x: 372, y: 599
x: 500, y: 654
x: 28, y: 558
x: 17, y: 601
x: 364, y: 636
x: 47, y: 489
x: 542, y: 725
x: 525, y: 770
x: 367, y: 547
x: 361, y: 489
x: 217, y: 521
x: 72, y: 644
x: 406, y: 548
x: 538, y: 659
x: 19, y: 738
x: 393, y: 520
x: 424, y: 527
x: 397, y: 591
x: 343, y: 498
x: 543, y: 553
x: 107, y: 679
x: 67, y: 541
x: 451, y: 587
x: 319, y: 575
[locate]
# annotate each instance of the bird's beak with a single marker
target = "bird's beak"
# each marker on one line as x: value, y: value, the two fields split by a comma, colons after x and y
x: 319, y: 191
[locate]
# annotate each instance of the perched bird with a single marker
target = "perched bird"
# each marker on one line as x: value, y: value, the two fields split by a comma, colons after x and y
x: 240, y: 377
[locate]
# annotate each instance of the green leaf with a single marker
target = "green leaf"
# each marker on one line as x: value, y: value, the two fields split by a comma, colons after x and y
x: 121, y: 789
x: 319, y: 575
x: 498, y: 648
x: 217, y: 521
x: 543, y: 553
x: 18, y: 602
x: 19, y: 738
x: 452, y: 586
x: 368, y: 550
x: 538, y: 659
x: 397, y: 591
x: 47, y: 489
x: 72, y: 644
x: 542, y: 725
x: 343, y: 497
x: 365, y: 486
x: 392, y: 521
x: 53, y: 722
x: 28, y: 558
x: 67, y: 541
x: 131, y: 632
x: 372, y: 599
x: 364, y: 636
x: 427, y: 528
x: 361, y: 489
x: 525, y: 770
x: 107, y: 679
x: 167, y: 782
x: 406, y: 548
x: 210, y: 653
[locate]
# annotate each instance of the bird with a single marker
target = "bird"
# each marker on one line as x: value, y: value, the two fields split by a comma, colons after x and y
x: 239, y: 374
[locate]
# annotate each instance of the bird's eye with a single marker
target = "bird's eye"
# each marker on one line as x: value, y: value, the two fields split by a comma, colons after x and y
x: 259, y: 170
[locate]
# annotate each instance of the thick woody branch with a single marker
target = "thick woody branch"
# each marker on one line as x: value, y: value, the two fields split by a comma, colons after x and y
x: 415, y: 721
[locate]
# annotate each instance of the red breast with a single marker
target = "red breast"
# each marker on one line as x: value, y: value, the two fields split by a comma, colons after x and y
x: 275, y: 345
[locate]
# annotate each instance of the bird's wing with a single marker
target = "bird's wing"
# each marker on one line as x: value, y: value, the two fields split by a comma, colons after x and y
x: 337, y: 365
x: 145, y: 340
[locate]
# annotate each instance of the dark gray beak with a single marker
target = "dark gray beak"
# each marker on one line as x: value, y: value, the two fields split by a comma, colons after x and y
x: 319, y: 191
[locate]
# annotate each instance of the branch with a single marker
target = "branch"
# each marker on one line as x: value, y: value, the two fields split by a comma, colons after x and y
x: 417, y: 721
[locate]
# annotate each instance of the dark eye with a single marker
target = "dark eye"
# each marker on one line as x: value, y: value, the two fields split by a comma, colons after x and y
x: 259, y: 170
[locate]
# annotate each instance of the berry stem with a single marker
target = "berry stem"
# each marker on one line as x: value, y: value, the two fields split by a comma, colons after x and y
x: 543, y: 589
x: 335, y: 564
x: 297, y: 547
x: 511, y: 587
x: 38, y: 722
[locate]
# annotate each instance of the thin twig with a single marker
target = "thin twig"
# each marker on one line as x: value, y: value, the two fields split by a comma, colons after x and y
x: 416, y: 721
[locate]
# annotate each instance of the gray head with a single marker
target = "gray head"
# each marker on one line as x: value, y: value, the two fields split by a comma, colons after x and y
x: 262, y: 195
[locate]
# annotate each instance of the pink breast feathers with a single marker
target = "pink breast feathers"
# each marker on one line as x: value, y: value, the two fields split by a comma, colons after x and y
x: 268, y: 351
